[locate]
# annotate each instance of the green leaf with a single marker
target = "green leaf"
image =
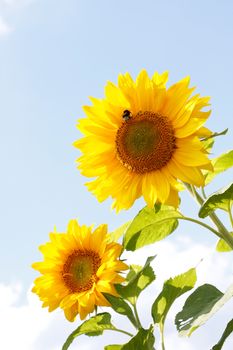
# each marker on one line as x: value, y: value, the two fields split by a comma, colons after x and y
x: 222, y: 245
x: 144, y: 339
x: 202, y: 304
x: 121, y: 307
x: 220, y: 164
x: 228, y: 330
x: 151, y: 225
x: 116, y: 234
x: 138, y: 279
x: 94, y: 326
x: 222, y: 199
x: 134, y: 269
x: 172, y: 289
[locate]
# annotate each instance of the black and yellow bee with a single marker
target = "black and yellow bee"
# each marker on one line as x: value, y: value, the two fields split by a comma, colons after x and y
x: 126, y: 114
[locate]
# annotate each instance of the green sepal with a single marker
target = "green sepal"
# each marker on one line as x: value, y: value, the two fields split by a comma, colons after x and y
x: 172, y: 289
x: 208, y: 143
x: 222, y: 199
x: 150, y: 225
x: 138, y: 279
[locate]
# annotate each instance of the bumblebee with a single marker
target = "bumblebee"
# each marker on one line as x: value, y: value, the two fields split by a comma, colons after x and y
x: 126, y: 115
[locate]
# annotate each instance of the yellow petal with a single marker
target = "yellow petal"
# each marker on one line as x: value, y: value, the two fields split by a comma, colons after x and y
x: 160, y: 79
x: 187, y: 174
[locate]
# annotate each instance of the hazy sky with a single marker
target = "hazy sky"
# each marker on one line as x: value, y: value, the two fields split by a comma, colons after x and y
x: 53, y: 55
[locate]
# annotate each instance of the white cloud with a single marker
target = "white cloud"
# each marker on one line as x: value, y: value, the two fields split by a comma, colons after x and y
x: 14, y: 3
x: 7, y: 7
x: 20, y: 325
x: 29, y: 327
x: 4, y: 28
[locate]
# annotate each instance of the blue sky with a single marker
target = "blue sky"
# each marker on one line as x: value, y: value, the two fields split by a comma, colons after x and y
x: 53, y: 55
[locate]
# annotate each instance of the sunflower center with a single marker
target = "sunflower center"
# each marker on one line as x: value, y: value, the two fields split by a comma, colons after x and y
x: 145, y: 142
x: 79, y: 270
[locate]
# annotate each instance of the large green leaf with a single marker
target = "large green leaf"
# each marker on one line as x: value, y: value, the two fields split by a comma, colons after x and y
x: 121, y: 307
x: 94, y: 326
x: 138, y: 279
x: 151, y: 225
x: 228, y: 330
x: 202, y: 304
x: 116, y: 234
x: 172, y: 289
x: 220, y: 164
x: 143, y: 340
x: 222, y: 199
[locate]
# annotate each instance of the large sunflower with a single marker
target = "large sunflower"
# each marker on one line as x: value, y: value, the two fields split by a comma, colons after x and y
x: 142, y: 138
x: 78, y: 267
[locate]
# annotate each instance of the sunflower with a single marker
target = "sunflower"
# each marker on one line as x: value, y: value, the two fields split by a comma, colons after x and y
x: 144, y: 139
x: 78, y: 267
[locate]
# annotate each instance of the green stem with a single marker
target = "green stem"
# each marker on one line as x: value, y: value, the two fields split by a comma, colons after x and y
x: 136, y: 315
x: 225, y: 234
x: 122, y: 331
x: 195, y: 194
x: 230, y: 213
x: 201, y: 224
x: 162, y: 336
x: 203, y: 192
x: 222, y: 231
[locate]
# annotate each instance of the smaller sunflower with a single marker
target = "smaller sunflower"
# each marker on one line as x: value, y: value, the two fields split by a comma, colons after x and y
x: 78, y: 267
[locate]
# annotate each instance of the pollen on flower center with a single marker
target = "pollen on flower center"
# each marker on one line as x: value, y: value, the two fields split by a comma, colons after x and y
x: 79, y: 270
x: 145, y: 142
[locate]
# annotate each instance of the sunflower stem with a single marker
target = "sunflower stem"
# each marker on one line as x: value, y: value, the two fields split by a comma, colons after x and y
x: 122, y: 331
x: 221, y: 228
x: 201, y: 224
x: 162, y: 337
x: 222, y: 231
x: 139, y: 325
x: 203, y: 192
x: 230, y: 213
